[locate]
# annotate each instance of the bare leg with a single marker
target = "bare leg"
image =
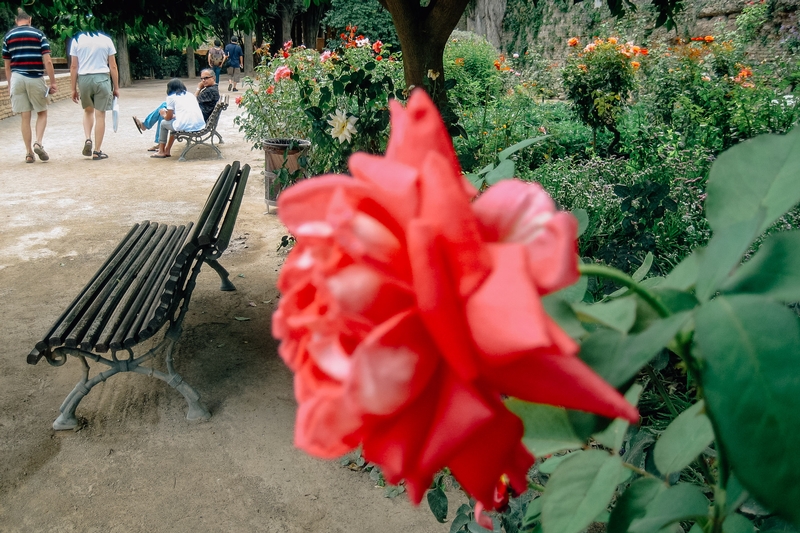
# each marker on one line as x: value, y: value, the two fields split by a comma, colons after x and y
x: 26, y: 131
x: 88, y: 122
x: 41, y: 124
x: 170, y: 142
x: 99, y: 129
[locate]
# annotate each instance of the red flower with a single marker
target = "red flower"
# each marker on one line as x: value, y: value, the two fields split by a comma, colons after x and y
x: 271, y: 89
x: 285, y: 54
x: 238, y: 100
x: 378, y: 58
x: 376, y: 47
x: 408, y: 311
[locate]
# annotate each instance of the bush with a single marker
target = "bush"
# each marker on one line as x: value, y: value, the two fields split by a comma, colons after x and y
x: 470, y: 60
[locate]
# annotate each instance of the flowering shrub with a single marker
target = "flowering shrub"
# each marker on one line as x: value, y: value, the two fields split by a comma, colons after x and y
x: 599, y: 80
x: 391, y: 263
x: 272, y: 102
x: 410, y: 311
x: 347, y: 104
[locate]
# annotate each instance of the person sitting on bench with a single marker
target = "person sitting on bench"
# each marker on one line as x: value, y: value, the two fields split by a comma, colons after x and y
x: 181, y: 113
x: 207, y: 95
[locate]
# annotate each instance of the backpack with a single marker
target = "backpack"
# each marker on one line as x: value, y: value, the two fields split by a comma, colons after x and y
x: 216, y: 57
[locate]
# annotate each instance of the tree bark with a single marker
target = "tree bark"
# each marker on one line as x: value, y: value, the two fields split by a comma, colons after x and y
x: 423, y: 34
x: 247, y: 43
x: 191, y: 73
x: 311, y: 18
x: 286, y: 12
x: 123, y: 60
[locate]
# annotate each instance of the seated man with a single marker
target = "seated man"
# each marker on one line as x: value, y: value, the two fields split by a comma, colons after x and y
x: 207, y: 95
x: 182, y: 113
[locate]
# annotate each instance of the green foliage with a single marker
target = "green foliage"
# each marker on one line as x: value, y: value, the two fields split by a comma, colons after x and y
x: 469, y: 59
x: 368, y: 16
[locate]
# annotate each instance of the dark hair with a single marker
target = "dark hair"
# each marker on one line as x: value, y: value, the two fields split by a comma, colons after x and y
x: 234, y: 39
x: 217, y: 42
x: 21, y: 15
x: 175, y: 86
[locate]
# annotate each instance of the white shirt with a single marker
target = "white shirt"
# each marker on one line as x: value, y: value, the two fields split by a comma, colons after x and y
x: 92, y: 52
x: 188, y: 116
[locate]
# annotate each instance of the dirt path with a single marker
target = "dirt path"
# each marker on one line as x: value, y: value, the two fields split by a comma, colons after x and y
x: 137, y: 465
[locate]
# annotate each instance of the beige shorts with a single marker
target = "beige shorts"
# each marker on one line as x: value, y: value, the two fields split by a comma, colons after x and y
x: 28, y: 94
x: 96, y: 91
x: 233, y: 72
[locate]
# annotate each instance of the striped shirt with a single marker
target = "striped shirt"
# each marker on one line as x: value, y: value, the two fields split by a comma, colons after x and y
x: 24, y: 46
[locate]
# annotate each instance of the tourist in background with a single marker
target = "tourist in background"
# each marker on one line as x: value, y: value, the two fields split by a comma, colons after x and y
x: 26, y: 55
x: 235, y: 57
x: 216, y: 58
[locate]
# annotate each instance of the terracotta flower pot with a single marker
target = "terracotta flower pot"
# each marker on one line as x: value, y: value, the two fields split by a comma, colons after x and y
x: 281, y: 153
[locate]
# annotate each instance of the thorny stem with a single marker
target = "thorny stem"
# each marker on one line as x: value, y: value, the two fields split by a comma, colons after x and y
x: 620, y: 277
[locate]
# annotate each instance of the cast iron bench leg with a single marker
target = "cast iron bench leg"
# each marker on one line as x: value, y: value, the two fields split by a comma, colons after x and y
x: 223, y: 274
x: 67, y: 418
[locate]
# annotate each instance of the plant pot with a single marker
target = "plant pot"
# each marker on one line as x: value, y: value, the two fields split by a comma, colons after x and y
x: 278, y: 154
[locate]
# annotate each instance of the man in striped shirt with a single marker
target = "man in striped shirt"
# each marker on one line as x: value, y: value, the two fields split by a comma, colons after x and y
x: 26, y: 54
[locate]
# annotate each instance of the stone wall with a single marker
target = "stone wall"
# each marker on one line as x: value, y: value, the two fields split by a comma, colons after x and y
x: 64, y: 91
x: 558, y: 21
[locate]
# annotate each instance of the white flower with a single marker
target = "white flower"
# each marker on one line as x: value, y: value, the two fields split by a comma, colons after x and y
x: 362, y: 42
x: 342, y: 126
x: 433, y: 74
x: 515, y: 56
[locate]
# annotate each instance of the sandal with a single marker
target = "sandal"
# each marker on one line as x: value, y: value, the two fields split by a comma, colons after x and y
x: 99, y: 154
x: 29, y: 158
x: 139, y: 125
x: 159, y: 156
x: 39, y: 149
x: 87, y: 148
x: 153, y: 149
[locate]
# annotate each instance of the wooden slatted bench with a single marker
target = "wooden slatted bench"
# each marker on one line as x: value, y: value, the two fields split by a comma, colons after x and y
x: 145, y: 283
x: 207, y: 134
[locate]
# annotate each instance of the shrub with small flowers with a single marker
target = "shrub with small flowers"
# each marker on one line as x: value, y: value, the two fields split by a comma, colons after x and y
x: 599, y: 79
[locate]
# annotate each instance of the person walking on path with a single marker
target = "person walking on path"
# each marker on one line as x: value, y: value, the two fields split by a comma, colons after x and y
x: 216, y: 58
x: 95, y: 81
x: 235, y: 57
x: 26, y: 55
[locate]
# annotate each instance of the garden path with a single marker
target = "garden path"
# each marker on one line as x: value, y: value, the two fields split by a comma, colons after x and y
x: 137, y: 465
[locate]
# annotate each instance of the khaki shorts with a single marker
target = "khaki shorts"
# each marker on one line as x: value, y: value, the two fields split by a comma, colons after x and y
x: 233, y: 72
x: 96, y: 91
x: 28, y: 94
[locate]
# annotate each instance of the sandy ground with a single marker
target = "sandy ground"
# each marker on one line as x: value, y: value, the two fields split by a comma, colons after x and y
x: 136, y: 465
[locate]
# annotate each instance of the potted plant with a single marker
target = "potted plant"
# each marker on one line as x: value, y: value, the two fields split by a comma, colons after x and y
x: 274, y: 119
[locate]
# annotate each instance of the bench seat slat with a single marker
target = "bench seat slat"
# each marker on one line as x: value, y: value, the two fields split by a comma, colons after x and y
x: 92, y: 312
x: 148, y: 291
x: 127, y: 302
x: 75, y: 311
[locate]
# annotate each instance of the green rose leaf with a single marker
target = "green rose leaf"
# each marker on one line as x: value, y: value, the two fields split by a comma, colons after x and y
x: 519, y: 146
x: 617, y: 314
x: 503, y: 171
x: 642, y: 271
x: 583, y: 220
x: 749, y: 350
x: 547, y: 428
x: 459, y: 522
x: 633, y: 503
x: 737, y: 523
x: 680, y: 503
x: 734, y: 193
x: 683, y: 440
x: 773, y: 271
x: 617, y: 357
x: 684, y: 275
x: 560, y: 311
x: 437, y: 501
x: 579, y: 490
x: 614, y: 434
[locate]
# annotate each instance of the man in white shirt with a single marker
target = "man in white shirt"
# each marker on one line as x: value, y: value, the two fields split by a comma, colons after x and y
x: 94, y: 73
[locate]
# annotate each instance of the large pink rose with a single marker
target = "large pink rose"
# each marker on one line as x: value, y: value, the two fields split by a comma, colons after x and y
x: 408, y: 310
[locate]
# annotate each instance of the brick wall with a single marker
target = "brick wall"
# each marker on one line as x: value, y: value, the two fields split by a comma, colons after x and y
x: 64, y: 91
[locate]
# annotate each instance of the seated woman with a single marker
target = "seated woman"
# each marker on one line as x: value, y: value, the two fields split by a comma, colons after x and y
x: 207, y: 95
x: 181, y: 113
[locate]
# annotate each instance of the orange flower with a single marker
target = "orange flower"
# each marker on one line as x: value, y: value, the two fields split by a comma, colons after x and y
x: 612, y: 40
x: 459, y: 61
x: 708, y: 39
x: 636, y: 50
x: 388, y: 264
x: 635, y: 64
x: 573, y: 42
x: 583, y: 68
x: 745, y: 73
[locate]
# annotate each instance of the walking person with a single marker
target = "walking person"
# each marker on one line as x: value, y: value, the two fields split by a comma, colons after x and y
x: 26, y: 55
x: 95, y: 83
x: 216, y: 58
x: 235, y: 57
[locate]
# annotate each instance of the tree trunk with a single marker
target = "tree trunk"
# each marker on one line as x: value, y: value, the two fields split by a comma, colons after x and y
x: 423, y: 34
x: 247, y: 42
x: 286, y: 12
x: 311, y: 19
x: 123, y: 60
x: 487, y: 19
x: 190, y: 62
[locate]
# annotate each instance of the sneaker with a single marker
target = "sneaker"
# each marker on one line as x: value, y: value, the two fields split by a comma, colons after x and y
x: 235, y: 90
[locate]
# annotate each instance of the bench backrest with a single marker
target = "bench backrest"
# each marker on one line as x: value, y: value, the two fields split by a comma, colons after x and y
x: 148, y: 276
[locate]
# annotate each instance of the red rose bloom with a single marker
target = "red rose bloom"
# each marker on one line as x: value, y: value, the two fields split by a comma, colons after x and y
x: 408, y: 310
